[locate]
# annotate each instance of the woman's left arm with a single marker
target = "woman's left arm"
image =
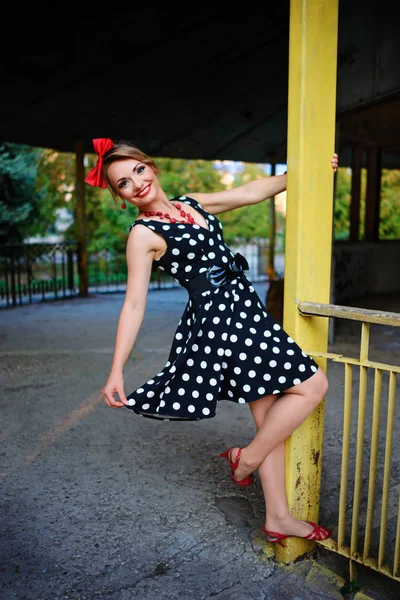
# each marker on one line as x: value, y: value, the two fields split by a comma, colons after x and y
x: 252, y: 192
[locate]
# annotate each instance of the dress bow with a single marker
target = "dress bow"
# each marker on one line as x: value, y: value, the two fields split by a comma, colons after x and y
x: 218, y: 275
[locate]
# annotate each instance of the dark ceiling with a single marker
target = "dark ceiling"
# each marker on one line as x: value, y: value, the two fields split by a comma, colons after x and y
x: 209, y: 83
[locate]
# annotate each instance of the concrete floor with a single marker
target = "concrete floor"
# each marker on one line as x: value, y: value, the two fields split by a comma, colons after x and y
x: 100, y: 503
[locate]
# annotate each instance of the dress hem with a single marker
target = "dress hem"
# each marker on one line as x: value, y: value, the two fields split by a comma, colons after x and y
x: 168, y: 418
x: 172, y: 418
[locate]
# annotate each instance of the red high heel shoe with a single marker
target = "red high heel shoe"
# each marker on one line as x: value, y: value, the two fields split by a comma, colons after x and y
x: 234, y: 465
x: 317, y: 533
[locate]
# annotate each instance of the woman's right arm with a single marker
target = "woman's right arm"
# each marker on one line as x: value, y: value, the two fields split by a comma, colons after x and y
x: 139, y: 256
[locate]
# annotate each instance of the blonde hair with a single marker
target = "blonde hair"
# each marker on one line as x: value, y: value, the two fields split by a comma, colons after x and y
x: 120, y: 151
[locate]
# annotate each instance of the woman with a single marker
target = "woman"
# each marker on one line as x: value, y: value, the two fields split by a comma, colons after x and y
x: 226, y: 346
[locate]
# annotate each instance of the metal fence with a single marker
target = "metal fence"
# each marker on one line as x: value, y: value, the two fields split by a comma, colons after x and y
x: 368, y: 503
x: 40, y: 272
x: 37, y: 272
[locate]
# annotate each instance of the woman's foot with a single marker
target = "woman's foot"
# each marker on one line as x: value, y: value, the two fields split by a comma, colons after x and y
x: 288, y: 526
x: 291, y: 527
x: 234, y: 457
x: 244, y: 468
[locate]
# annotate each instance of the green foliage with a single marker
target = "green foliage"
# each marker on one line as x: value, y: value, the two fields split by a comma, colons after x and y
x: 363, y: 194
x: 107, y: 224
x: 389, y: 226
x: 55, y: 181
x: 180, y: 176
x: 249, y: 222
x: 342, y: 204
x: 246, y: 223
x: 19, y: 203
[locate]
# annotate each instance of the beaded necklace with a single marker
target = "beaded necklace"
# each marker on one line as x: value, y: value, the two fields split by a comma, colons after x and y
x: 187, y: 217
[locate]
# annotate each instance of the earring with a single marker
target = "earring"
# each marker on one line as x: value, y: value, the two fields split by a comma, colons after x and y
x: 123, y: 206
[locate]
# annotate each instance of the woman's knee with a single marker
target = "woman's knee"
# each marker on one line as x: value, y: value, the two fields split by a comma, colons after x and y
x: 313, y: 389
x: 318, y: 386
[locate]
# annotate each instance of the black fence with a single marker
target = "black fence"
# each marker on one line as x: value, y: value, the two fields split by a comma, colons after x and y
x: 32, y: 273
x: 37, y: 272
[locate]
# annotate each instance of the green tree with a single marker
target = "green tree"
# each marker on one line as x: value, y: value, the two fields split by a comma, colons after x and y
x: 389, y: 225
x: 56, y: 182
x: 19, y: 202
x: 106, y: 226
x: 389, y: 218
x: 342, y: 204
x: 248, y: 222
x: 179, y: 175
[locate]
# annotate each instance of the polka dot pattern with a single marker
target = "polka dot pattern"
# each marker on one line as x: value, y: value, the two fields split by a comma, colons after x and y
x: 226, y: 346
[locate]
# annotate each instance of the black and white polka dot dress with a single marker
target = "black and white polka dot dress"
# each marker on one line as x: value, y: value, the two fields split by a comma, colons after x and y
x: 226, y: 346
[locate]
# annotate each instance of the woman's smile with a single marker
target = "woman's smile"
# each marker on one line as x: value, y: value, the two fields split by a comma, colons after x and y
x: 144, y: 191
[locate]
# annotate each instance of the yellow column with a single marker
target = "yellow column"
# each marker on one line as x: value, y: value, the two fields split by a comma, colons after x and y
x: 311, y: 144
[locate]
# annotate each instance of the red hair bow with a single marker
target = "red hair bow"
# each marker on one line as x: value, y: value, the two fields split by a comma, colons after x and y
x: 95, y: 176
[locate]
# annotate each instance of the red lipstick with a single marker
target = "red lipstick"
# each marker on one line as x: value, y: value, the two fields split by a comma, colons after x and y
x: 144, y: 191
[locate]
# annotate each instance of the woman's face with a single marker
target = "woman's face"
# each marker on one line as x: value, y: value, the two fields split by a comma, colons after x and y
x: 134, y: 181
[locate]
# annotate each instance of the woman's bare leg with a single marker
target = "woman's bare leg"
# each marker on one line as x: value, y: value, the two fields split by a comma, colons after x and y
x: 284, y: 416
x: 272, y: 476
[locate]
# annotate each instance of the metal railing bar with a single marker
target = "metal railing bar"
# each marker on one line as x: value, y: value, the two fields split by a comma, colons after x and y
x: 396, y: 561
x: 354, y: 361
x: 28, y: 268
x: 369, y: 562
x: 386, y: 468
x: 362, y: 401
x: 373, y: 462
x: 367, y: 315
x: 19, y: 279
x: 13, y: 289
x: 345, y: 454
x: 54, y: 265
x: 7, y: 288
x: 63, y: 274
x: 364, y: 345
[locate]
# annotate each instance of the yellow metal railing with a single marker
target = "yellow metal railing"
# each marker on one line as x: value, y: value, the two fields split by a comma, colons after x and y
x: 352, y: 550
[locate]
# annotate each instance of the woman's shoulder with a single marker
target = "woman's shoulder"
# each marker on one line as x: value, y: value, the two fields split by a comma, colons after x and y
x: 147, y: 224
x: 143, y: 235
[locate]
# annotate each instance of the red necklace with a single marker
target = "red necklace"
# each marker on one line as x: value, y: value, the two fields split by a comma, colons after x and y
x: 187, y: 217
